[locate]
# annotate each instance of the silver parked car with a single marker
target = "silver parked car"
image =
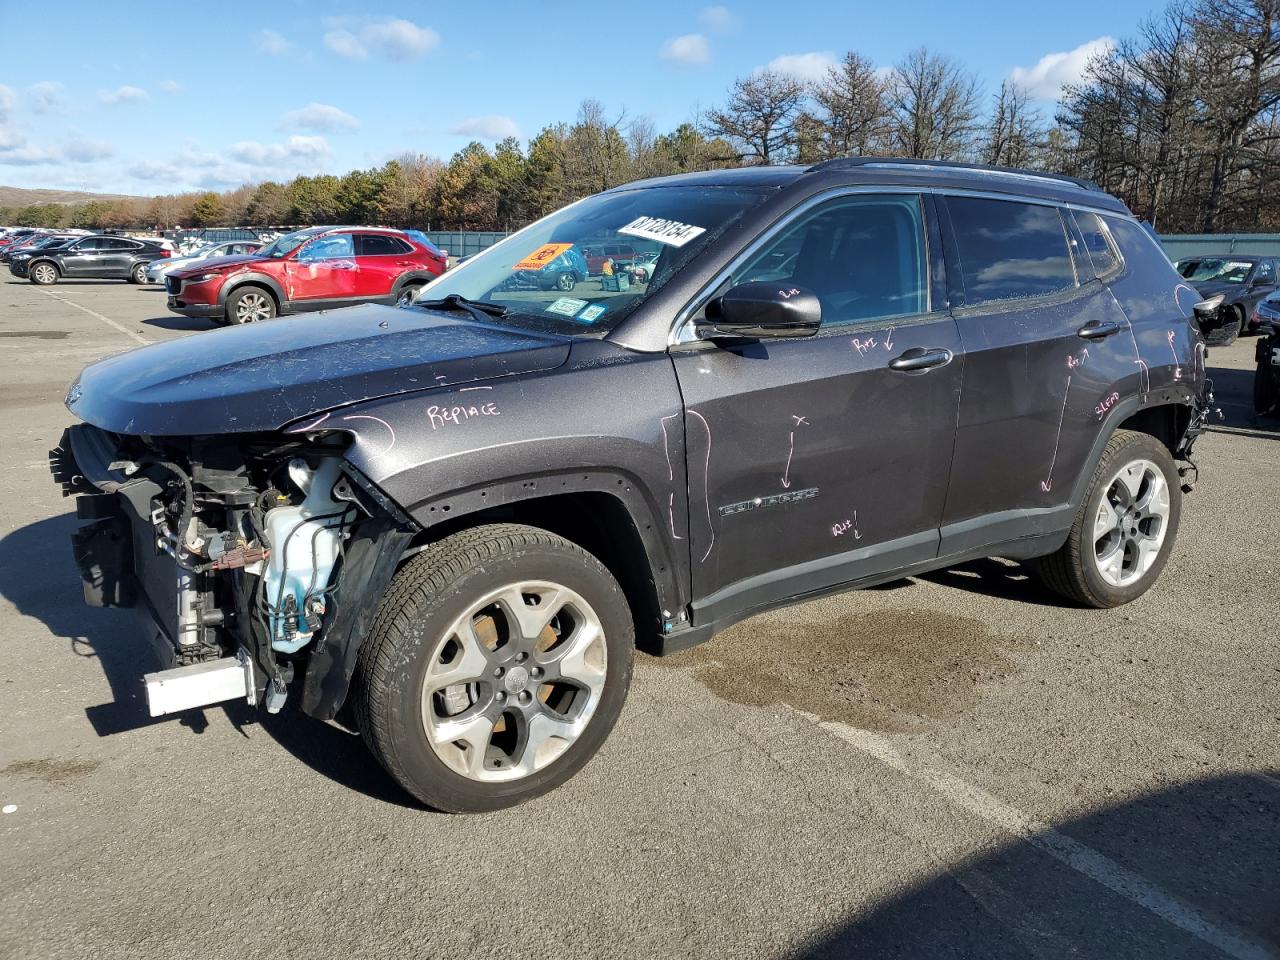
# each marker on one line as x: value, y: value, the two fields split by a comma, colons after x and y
x: 228, y: 248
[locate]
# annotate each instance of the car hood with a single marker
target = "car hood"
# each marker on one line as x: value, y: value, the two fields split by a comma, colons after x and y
x: 1211, y: 288
x: 212, y: 263
x: 263, y: 376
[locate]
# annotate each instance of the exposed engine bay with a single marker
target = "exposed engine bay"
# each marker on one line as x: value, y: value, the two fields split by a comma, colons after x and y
x: 234, y: 547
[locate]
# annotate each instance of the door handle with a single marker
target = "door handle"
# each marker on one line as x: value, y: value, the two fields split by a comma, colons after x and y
x: 918, y: 358
x: 1098, y: 331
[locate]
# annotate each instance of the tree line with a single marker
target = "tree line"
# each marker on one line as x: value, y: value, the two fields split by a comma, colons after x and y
x: 1181, y: 121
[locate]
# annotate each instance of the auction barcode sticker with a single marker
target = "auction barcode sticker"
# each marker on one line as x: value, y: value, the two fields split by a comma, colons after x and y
x: 671, y: 232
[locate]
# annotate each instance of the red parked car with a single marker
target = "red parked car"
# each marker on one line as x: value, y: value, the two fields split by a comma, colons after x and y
x: 312, y: 269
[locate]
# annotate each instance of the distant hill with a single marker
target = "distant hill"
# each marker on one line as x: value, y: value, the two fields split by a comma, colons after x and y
x: 20, y: 197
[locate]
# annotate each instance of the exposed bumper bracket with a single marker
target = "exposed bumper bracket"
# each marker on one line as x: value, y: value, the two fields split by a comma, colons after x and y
x: 200, y: 684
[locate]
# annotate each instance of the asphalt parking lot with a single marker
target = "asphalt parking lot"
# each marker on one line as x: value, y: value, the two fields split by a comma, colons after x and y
x: 951, y: 766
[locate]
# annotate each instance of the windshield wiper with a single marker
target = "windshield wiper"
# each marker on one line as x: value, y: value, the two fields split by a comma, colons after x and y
x: 479, y: 309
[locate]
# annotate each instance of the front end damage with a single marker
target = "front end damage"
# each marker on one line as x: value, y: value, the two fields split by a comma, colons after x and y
x: 255, y: 561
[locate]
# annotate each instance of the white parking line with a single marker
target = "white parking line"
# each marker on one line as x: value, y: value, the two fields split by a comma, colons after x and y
x: 1078, y: 856
x: 93, y: 313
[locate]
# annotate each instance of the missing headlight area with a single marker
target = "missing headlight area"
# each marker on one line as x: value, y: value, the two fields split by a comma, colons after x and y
x: 233, y: 550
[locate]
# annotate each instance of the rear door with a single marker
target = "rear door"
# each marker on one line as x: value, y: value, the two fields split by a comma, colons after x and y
x: 117, y: 256
x: 1044, y: 343
x: 382, y: 259
x: 819, y: 461
x: 325, y: 270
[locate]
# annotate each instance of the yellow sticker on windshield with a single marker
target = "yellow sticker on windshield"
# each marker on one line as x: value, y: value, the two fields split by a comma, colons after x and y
x: 542, y: 256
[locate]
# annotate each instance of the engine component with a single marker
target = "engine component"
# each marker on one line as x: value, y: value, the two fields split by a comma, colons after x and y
x: 305, y: 543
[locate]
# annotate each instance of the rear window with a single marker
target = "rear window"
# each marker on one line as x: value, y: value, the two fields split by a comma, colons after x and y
x: 1104, y: 257
x: 379, y: 245
x: 1010, y: 250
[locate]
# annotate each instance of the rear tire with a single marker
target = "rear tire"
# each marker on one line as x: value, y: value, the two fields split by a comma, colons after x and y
x: 138, y: 274
x: 43, y: 274
x: 448, y: 643
x: 408, y: 293
x: 1125, y: 528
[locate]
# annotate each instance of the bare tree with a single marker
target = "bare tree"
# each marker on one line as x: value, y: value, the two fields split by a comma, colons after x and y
x: 760, y: 117
x: 1015, y: 134
x: 852, y: 108
x: 935, y: 106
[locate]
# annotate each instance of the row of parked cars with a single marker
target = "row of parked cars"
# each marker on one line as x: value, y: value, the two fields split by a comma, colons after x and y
x: 241, y: 281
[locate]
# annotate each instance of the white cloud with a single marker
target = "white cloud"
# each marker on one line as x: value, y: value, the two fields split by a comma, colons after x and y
x: 319, y: 116
x: 171, y: 87
x: 125, y: 94
x: 391, y: 38
x: 492, y: 127
x: 718, y: 18
x: 26, y: 155
x: 46, y: 96
x: 690, y: 48
x: 804, y: 66
x: 83, y: 150
x: 295, y: 150
x: 7, y: 99
x: 1055, y: 70
x: 272, y: 44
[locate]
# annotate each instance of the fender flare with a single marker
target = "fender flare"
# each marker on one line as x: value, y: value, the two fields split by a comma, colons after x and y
x: 413, y: 276
x: 257, y: 279
x: 49, y: 260
x: 1122, y: 411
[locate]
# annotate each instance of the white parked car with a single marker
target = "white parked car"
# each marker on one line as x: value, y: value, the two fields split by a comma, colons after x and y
x: 228, y: 248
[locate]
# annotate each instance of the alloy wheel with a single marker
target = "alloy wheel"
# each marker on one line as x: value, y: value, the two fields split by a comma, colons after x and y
x: 1130, y: 525
x: 252, y: 308
x: 44, y: 273
x: 514, y: 681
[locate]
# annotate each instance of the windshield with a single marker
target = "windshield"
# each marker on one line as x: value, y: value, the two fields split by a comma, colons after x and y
x: 584, y: 268
x: 283, y: 246
x: 1210, y: 269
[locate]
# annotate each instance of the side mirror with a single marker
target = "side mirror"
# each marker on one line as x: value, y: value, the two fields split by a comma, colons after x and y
x: 761, y: 310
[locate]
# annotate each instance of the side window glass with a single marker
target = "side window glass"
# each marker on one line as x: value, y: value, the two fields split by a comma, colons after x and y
x: 378, y: 245
x: 334, y: 247
x: 1102, y: 251
x: 91, y: 245
x: 1010, y: 250
x: 863, y: 257
x: 1266, y: 273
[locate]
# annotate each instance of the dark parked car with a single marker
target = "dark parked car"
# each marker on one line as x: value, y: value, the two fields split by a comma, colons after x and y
x: 314, y: 269
x: 461, y: 517
x: 1266, y: 379
x: 1233, y: 285
x: 95, y: 258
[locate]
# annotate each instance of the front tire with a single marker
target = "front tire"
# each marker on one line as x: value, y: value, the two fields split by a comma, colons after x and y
x: 497, y: 664
x: 43, y: 274
x: 1124, y: 530
x: 250, y: 305
x: 1232, y: 324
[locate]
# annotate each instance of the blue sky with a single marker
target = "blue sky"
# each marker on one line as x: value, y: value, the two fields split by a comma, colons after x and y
x: 184, y: 95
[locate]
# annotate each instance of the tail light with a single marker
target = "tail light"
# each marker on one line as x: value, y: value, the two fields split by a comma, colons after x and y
x: 166, y: 253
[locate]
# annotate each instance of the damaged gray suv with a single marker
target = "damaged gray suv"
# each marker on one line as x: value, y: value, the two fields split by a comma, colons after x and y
x: 458, y: 519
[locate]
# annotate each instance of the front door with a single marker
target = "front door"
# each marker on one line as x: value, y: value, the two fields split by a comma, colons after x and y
x: 821, y: 461
x: 84, y: 259
x: 324, y: 271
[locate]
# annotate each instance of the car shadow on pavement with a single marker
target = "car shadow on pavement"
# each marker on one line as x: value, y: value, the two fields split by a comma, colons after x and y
x: 1001, y: 579
x: 176, y: 322
x: 38, y: 576
x: 1233, y: 394
x: 1187, y: 872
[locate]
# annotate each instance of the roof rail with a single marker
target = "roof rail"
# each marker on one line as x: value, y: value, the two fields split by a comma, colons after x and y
x: 841, y: 163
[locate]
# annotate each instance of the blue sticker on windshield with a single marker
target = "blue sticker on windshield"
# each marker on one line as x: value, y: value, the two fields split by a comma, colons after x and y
x: 591, y: 314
